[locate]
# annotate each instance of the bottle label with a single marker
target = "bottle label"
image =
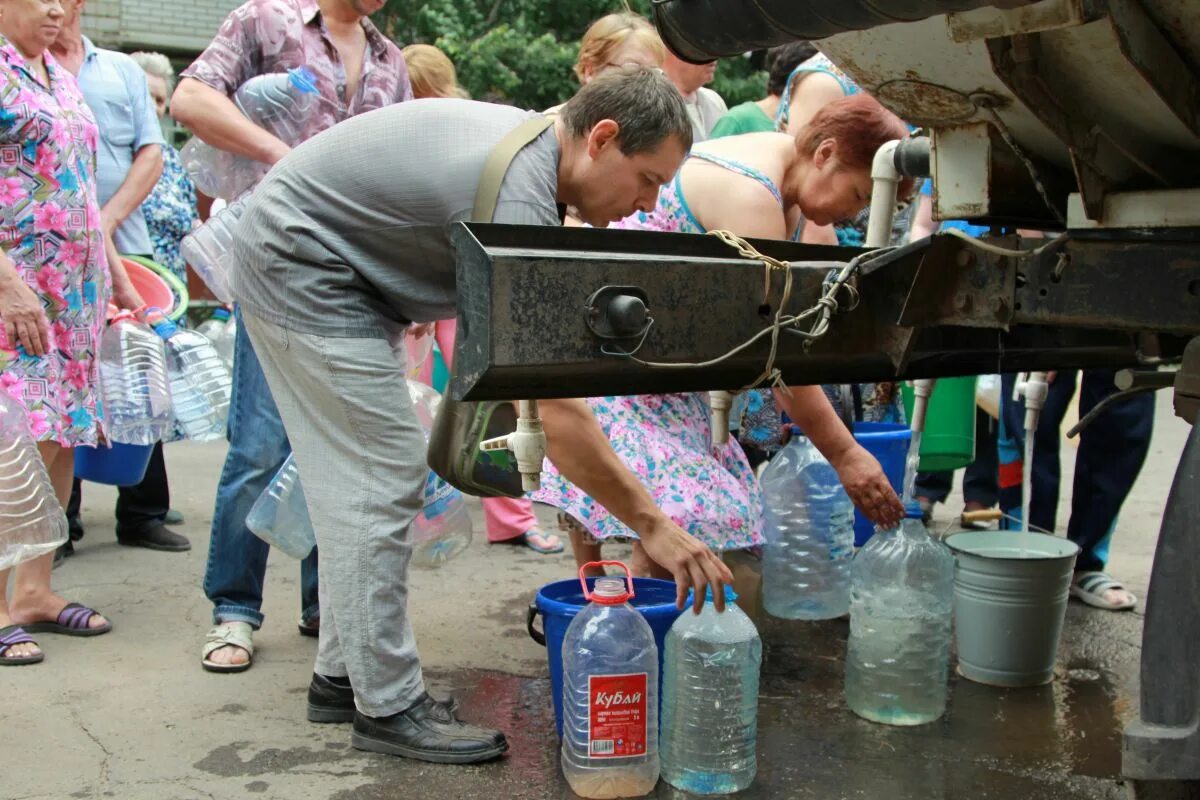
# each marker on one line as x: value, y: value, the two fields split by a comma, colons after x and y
x: 438, y: 496
x: 617, y: 715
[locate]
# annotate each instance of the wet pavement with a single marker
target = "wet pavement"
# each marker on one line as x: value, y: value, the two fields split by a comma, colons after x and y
x: 132, y: 715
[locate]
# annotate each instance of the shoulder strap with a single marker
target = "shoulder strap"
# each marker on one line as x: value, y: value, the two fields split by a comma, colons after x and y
x: 498, y: 162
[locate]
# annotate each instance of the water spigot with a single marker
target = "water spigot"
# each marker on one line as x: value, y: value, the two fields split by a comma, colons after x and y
x: 720, y: 403
x: 1034, y: 387
x: 527, y: 443
x: 922, y: 391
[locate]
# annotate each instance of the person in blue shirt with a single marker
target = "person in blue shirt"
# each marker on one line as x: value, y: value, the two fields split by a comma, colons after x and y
x: 129, y: 161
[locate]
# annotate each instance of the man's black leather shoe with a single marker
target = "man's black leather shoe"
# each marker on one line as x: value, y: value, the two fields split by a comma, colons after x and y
x: 428, y: 731
x: 330, y: 700
x: 160, y: 537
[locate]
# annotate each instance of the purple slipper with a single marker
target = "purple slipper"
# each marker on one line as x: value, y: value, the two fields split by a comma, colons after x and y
x: 72, y: 621
x: 11, y: 635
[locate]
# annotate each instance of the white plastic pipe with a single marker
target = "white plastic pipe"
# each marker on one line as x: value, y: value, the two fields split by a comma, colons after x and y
x: 527, y: 443
x: 883, y: 195
x: 719, y: 404
x: 1034, y: 388
x: 922, y: 390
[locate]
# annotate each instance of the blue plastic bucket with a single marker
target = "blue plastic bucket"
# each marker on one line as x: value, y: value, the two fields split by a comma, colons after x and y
x: 119, y: 465
x: 888, y: 442
x: 559, y: 602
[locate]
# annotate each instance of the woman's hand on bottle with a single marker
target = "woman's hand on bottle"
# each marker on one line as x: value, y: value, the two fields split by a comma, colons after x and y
x: 868, y: 487
x: 689, y: 561
x: 24, y: 319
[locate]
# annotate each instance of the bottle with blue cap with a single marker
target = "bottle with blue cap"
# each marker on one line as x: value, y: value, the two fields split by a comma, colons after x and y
x: 901, y: 606
x: 808, y: 521
x: 710, y: 700
x: 200, y: 383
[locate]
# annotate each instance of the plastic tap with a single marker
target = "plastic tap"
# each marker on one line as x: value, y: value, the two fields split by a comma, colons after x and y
x: 1034, y: 387
x: 720, y: 403
x: 922, y: 390
x: 527, y: 443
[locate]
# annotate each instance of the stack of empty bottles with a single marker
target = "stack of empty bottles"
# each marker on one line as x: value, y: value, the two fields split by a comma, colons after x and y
x: 200, y: 383
x: 278, y: 102
x: 133, y: 382
x: 32, y: 522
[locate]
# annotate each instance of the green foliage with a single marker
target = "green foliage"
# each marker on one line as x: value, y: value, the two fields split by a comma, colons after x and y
x: 521, y: 51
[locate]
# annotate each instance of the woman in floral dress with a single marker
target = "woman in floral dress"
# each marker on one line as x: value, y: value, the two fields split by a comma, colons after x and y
x: 757, y: 185
x: 54, y: 287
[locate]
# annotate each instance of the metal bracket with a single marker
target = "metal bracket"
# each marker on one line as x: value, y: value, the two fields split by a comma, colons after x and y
x: 618, y: 312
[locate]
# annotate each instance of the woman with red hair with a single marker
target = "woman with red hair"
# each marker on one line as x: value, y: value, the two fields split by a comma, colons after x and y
x: 758, y: 185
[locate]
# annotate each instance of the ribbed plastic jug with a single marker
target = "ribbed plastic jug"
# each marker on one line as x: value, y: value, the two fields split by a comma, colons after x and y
x: 32, y: 522
x: 443, y: 529
x: 212, y: 327
x: 710, y: 700
x: 900, y: 613
x: 280, y: 517
x: 200, y: 383
x: 610, y: 694
x: 809, y: 526
x: 133, y: 382
x: 209, y: 249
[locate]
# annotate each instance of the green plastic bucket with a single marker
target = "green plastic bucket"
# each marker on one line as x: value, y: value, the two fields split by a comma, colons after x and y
x: 949, y: 438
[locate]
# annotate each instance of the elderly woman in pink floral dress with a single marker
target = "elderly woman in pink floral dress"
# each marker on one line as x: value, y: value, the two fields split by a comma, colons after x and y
x: 54, y: 288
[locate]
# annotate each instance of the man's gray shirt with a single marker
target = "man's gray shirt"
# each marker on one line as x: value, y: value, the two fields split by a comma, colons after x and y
x: 352, y: 227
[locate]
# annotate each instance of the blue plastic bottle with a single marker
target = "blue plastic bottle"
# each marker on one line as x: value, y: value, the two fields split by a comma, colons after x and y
x: 809, y: 526
x: 710, y: 700
x: 900, y: 612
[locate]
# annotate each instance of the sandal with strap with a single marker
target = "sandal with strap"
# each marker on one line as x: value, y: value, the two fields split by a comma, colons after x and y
x: 12, y: 635
x: 71, y: 621
x: 1091, y: 586
x: 529, y: 538
x: 228, y: 634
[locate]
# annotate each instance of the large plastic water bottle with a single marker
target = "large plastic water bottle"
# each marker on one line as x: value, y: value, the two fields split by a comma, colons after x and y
x: 212, y: 327
x: 280, y: 517
x: 610, y: 694
x: 32, y: 522
x: 200, y: 383
x: 809, y: 525
x: 900, y: 612
x: 277, y: 101
x: 133, y: 382
x: 209, y: 249
x: 710, y: 700
x: 443, y: 529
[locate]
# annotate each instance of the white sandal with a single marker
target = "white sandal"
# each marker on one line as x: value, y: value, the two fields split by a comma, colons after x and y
x: 227, y: 634
x: 1091, y: 586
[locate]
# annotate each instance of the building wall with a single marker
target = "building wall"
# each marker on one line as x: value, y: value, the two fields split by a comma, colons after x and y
x: 175, y: 27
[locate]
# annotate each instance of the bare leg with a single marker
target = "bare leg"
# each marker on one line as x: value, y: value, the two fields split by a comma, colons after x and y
x: 583, y: 546
x: 644, y: 567
x: 32, y: 599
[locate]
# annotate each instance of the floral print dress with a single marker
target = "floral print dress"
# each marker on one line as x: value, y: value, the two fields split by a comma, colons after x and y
x: 50, y: 228
x: 666, y: 440
x: 170, y: 213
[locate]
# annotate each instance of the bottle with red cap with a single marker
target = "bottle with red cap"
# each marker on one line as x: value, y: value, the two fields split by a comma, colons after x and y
x: 610, y: 693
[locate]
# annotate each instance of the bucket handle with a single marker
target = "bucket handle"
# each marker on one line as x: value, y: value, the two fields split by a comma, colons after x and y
x: 587, y: 594
x: 534, y: 633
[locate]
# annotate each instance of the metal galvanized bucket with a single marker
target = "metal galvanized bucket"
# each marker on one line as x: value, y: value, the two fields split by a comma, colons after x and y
x: 1010, y: 599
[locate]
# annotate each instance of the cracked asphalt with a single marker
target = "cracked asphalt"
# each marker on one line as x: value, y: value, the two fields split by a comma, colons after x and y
x: 131, y: 714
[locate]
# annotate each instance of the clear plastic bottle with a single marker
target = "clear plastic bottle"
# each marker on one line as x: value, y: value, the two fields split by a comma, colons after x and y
x: 610, y: 695
x: 900, y: 612
x: 443, y: 529
x: 225, y: 343
x: 278, y: 102
x: 280, y: 517
x: 710, y: 700
x: 809, y: 526
x: 200, y: 383
x: 209, y: 249
x: 32, y: 522
x: 212, y: 327
x: 133, y: 382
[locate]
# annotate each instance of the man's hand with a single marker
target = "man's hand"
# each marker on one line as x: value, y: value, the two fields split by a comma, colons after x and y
x: 23, y: 317
x: 868, y: 487
x: 690, y: 562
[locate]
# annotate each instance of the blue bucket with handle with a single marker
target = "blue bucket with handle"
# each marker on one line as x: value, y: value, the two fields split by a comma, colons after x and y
x: 559, y: 602
x: 119, y: 465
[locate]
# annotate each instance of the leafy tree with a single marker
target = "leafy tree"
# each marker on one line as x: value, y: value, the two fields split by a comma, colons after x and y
x: 521, y: 51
